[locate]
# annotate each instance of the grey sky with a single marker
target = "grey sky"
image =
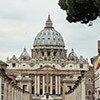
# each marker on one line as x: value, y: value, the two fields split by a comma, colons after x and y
x: 22, y: 20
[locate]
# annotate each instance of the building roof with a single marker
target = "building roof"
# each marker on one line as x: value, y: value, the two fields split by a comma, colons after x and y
x: 24, y: 55
x: 49, y: 36
x: 3, y: 63
x: 72, y: 55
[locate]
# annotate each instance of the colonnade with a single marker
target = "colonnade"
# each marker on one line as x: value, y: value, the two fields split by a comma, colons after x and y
x: 47, y: 84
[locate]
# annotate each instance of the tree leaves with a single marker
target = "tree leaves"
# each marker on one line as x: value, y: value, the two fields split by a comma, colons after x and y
x: 83, y: 11
x: 62, y: 4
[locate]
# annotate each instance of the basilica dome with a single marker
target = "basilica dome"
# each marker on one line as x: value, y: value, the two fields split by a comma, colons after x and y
x: 72, y: 55
x: 49, y: 36
x: 24, y: 55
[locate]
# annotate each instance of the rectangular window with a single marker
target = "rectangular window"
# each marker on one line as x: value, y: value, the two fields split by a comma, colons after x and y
x: 41, y: 91
x: 54, y: 53
x: 32, y: 89
x: 24, y: 88
x: 81, y: 65
x: 48, y: 53
x: 13, y: 64
x: 2, y: 88
x: 42, y: 53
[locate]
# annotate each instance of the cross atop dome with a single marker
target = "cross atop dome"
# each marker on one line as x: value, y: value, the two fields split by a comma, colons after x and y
x: 49, y: 23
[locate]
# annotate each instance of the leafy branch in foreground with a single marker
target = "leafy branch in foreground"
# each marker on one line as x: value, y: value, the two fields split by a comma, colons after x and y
x: 83, y: 11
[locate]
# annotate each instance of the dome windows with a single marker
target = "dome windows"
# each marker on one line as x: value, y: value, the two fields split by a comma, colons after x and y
x: 58, y: 39
x: 48, y: 33
x: 54, y: 39
x: 49, y: 41
x: 56, y: 33
x: 44, y: 33
x: 43, y: 40
x: 49, y: 36
x: 38, y: 40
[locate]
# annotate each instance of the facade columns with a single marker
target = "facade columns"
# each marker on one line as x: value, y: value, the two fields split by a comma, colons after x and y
x: 43, y: 84
x: 50, y: 84
x: 59, y: 85
x: 56, y: 85
x: 35, y: 85
x: 38, y: 84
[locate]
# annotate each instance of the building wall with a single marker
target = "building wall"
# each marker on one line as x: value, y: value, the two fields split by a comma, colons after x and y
x: 96, y: 64
x: 78, y: 93
x: 9, y: 89
x: 0, y: 86
x: 97, y: 84
x: 89, y: 84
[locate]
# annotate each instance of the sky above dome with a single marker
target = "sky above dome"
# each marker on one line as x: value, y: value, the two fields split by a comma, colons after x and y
x: 22, y: 20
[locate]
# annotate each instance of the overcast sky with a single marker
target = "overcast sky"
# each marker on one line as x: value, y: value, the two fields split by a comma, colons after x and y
x: 22, y: 20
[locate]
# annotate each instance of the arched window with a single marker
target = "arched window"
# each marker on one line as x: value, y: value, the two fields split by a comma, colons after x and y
x: 43, y: 40
x: 89, y: 80
x: 89, y: 93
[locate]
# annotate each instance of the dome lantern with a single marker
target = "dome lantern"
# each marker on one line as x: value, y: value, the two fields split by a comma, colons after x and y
x: 49, y: 23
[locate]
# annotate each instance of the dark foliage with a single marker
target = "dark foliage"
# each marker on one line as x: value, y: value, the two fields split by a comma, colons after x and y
x: 83, y: 11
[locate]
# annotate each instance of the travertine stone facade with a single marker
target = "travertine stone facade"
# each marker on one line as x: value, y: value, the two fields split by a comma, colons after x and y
x: 9, y: 90
x: 96, y: 64
x: 48, y: 64
x: 78, y: 93
x: 89, y: 84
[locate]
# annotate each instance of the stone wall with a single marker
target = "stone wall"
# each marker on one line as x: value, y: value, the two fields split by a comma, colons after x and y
x: 77, y: 93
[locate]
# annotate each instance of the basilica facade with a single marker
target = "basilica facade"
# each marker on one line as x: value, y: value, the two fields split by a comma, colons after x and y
x: 49, y: 71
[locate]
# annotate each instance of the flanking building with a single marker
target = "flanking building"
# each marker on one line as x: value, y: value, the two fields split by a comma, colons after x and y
x: 83, y: 89
x: 96, y: 63
x: 9, y: 89
x: 43, y: 73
